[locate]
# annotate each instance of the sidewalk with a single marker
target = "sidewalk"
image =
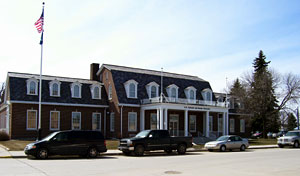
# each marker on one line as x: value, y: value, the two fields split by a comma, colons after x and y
x: 4, y: 153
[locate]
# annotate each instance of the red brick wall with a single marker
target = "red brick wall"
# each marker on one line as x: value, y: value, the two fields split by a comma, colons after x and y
x: 19, y: 117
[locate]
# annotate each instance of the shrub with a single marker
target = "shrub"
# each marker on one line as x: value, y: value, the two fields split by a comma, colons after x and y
x: 3, y: 136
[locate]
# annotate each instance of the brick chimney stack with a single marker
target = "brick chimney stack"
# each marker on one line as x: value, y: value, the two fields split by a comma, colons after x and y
x: 93, y: 70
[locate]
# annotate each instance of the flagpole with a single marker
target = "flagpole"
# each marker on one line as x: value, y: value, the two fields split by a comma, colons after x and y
x: 40, y: 89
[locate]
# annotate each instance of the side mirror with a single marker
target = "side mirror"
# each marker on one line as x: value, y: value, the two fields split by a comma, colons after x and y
x: 229, y: 140
x: 150, y: 136
x: 54, y: 139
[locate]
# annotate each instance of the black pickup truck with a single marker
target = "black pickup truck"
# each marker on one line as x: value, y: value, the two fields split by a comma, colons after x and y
x: 149, y: 140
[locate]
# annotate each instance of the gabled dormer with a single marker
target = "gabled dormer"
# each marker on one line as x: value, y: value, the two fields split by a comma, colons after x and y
x: 32, y: 86
x: 190, y: 92
x: 54, y: 87
x: 131, y: 88
x: 76, y: 90
x: 96, y: 91
x: 172, y: 91
x: 152, y: 89
x: 207, y: 94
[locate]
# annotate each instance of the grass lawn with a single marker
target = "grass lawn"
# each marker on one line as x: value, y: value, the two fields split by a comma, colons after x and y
x: 262, y: 141
x: 19, y: 145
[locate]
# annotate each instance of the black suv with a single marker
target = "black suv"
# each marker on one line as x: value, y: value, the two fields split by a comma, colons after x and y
x: 83, y: 143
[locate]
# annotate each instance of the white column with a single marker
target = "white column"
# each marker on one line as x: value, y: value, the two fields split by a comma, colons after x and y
x: 161, y: 119
x: 166, y: 119
x: 207, y: 124
x: 224, y: 124
x: 157, y: 117
x: 186, y: 126
x: 142, y: 120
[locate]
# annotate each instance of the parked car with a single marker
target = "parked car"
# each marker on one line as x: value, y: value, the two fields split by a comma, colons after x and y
x: 83, y: 143
x: 257, y: 134
x: 229, y: 142
x: 281, y: 133
x: 292, y: 138
x: 149, y: 140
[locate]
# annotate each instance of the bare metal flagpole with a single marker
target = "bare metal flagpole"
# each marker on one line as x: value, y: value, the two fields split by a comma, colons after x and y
x: 40, y: 89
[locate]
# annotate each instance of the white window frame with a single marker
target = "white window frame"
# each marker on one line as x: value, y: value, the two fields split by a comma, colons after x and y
x: 188, y: 90
x: 242, y: 125
x: 28, y: 81
x: 169, y: 92
x: 51, y: 88
x: 79, y: 120
x: 149, y: 87
x: 93, y: 115
x: 127, y: 88
x: 232, y: 125
x: 135, y: 121
x: 152, y: 114
x: 54, y: 129
x: 35, y: 120
x: 109, y: 92
x: 92, y: 87
x: 73, y: 91
x: 204, y: 94
x: 190, y: 124
x: 112, y: 121
x: 211, y: 123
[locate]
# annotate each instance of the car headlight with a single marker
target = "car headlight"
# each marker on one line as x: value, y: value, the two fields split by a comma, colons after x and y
x: 129, y: 143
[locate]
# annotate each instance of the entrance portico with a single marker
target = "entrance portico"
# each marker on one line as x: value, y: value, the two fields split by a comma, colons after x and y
x: 175, y: 117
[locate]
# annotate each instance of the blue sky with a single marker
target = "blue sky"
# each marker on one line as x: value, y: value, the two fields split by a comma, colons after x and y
x: 206, y: 38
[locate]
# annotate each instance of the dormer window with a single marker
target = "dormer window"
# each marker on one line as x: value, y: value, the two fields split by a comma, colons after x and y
x: 76, y: 90
x: 32, y: 86
x: 207, y: 95
x: 54, y: 87
x: 96, y: 91
x: 152, y: 89
x: 172, y: 91
x: 190, y: 93
x: 131, y: 88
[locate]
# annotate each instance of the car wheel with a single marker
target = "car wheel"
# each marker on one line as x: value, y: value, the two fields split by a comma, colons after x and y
x: 223, y: 148
x: 296, y: 144
x: 139, y: 150
x: 92, y: 152
x: 181, y: 149
x: 42, y: 153
x: 243, y: 148
x: 280, y: 146
x: 168, y: 151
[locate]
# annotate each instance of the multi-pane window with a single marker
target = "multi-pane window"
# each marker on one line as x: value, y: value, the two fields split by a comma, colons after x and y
x: 131, y: 90
x: 31, y: 119
x: 192, y: 122
x: 109, y: 92
x: 32, y: 89
x: 96, y: 93
x: 76, y: 120
x: 76, y: 91
x: 112, y: 121
x: 231, y: 130
x: 54, y: 120
x: 242, y: 126
x: 55, y: 89
x: 192, y: 94
x: 132, y: 121
x: 173, y: 92
x: 153, y: 92
x: 96, y: 121
x: 210, y: 123
x: 153, y: 121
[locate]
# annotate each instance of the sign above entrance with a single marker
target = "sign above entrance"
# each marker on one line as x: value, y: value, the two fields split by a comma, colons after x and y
x: 194, y: 108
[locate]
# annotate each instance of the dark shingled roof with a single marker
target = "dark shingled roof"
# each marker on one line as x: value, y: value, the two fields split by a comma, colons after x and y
x: 18, y: 90
x: 144, y: 77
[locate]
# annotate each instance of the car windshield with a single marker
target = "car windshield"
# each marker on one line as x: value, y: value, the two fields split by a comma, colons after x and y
x: 292, y: 134
x: 223, y: 138
x: 142, y: 134
x: 47, y: 138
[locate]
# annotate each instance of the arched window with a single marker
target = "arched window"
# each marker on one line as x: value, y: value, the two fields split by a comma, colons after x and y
x: 207, y: 95
x: 76, y: 91
x: 55, y: 89
x: 96, y: 93
x: 173, y: 92
x: 131, y: 90
x: 153, y: 92
x: 32, y: 88
x: 192, y: 94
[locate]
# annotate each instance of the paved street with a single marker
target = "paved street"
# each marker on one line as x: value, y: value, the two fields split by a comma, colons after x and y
x: 252, y: 162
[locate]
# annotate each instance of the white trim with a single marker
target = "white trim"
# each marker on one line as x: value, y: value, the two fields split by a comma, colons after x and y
x: 79, y: 120
x: 149, y: 87
x: 204, y: 94
x: 135, y: 122
x: 72, y: 89
x: 54, y: 129
x: 169, y: 91
x: 127, y: 88
x: 96, y: 113
x: 60, y: 104
x: 129, y: 105
x: 35, y: 119
x: 112, y: 127
x: 188, y: 90
x: 51, y: 88
x: 92, y: 87
x: 28, y: 81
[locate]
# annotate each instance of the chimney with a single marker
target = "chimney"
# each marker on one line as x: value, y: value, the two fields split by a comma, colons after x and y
x: 93, y: 70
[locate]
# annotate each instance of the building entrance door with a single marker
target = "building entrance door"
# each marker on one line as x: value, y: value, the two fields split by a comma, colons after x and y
x: 174, y: 125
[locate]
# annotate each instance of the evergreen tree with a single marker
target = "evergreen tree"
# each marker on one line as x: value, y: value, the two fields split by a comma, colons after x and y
x: 238, y: 94
x: 262, y: 100
x: 292, y: 123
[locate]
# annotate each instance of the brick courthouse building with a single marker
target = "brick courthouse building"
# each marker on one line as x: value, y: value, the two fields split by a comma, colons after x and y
x: 119, y: 101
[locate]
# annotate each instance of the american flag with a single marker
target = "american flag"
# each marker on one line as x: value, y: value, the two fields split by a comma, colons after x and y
x: 39, y: 24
